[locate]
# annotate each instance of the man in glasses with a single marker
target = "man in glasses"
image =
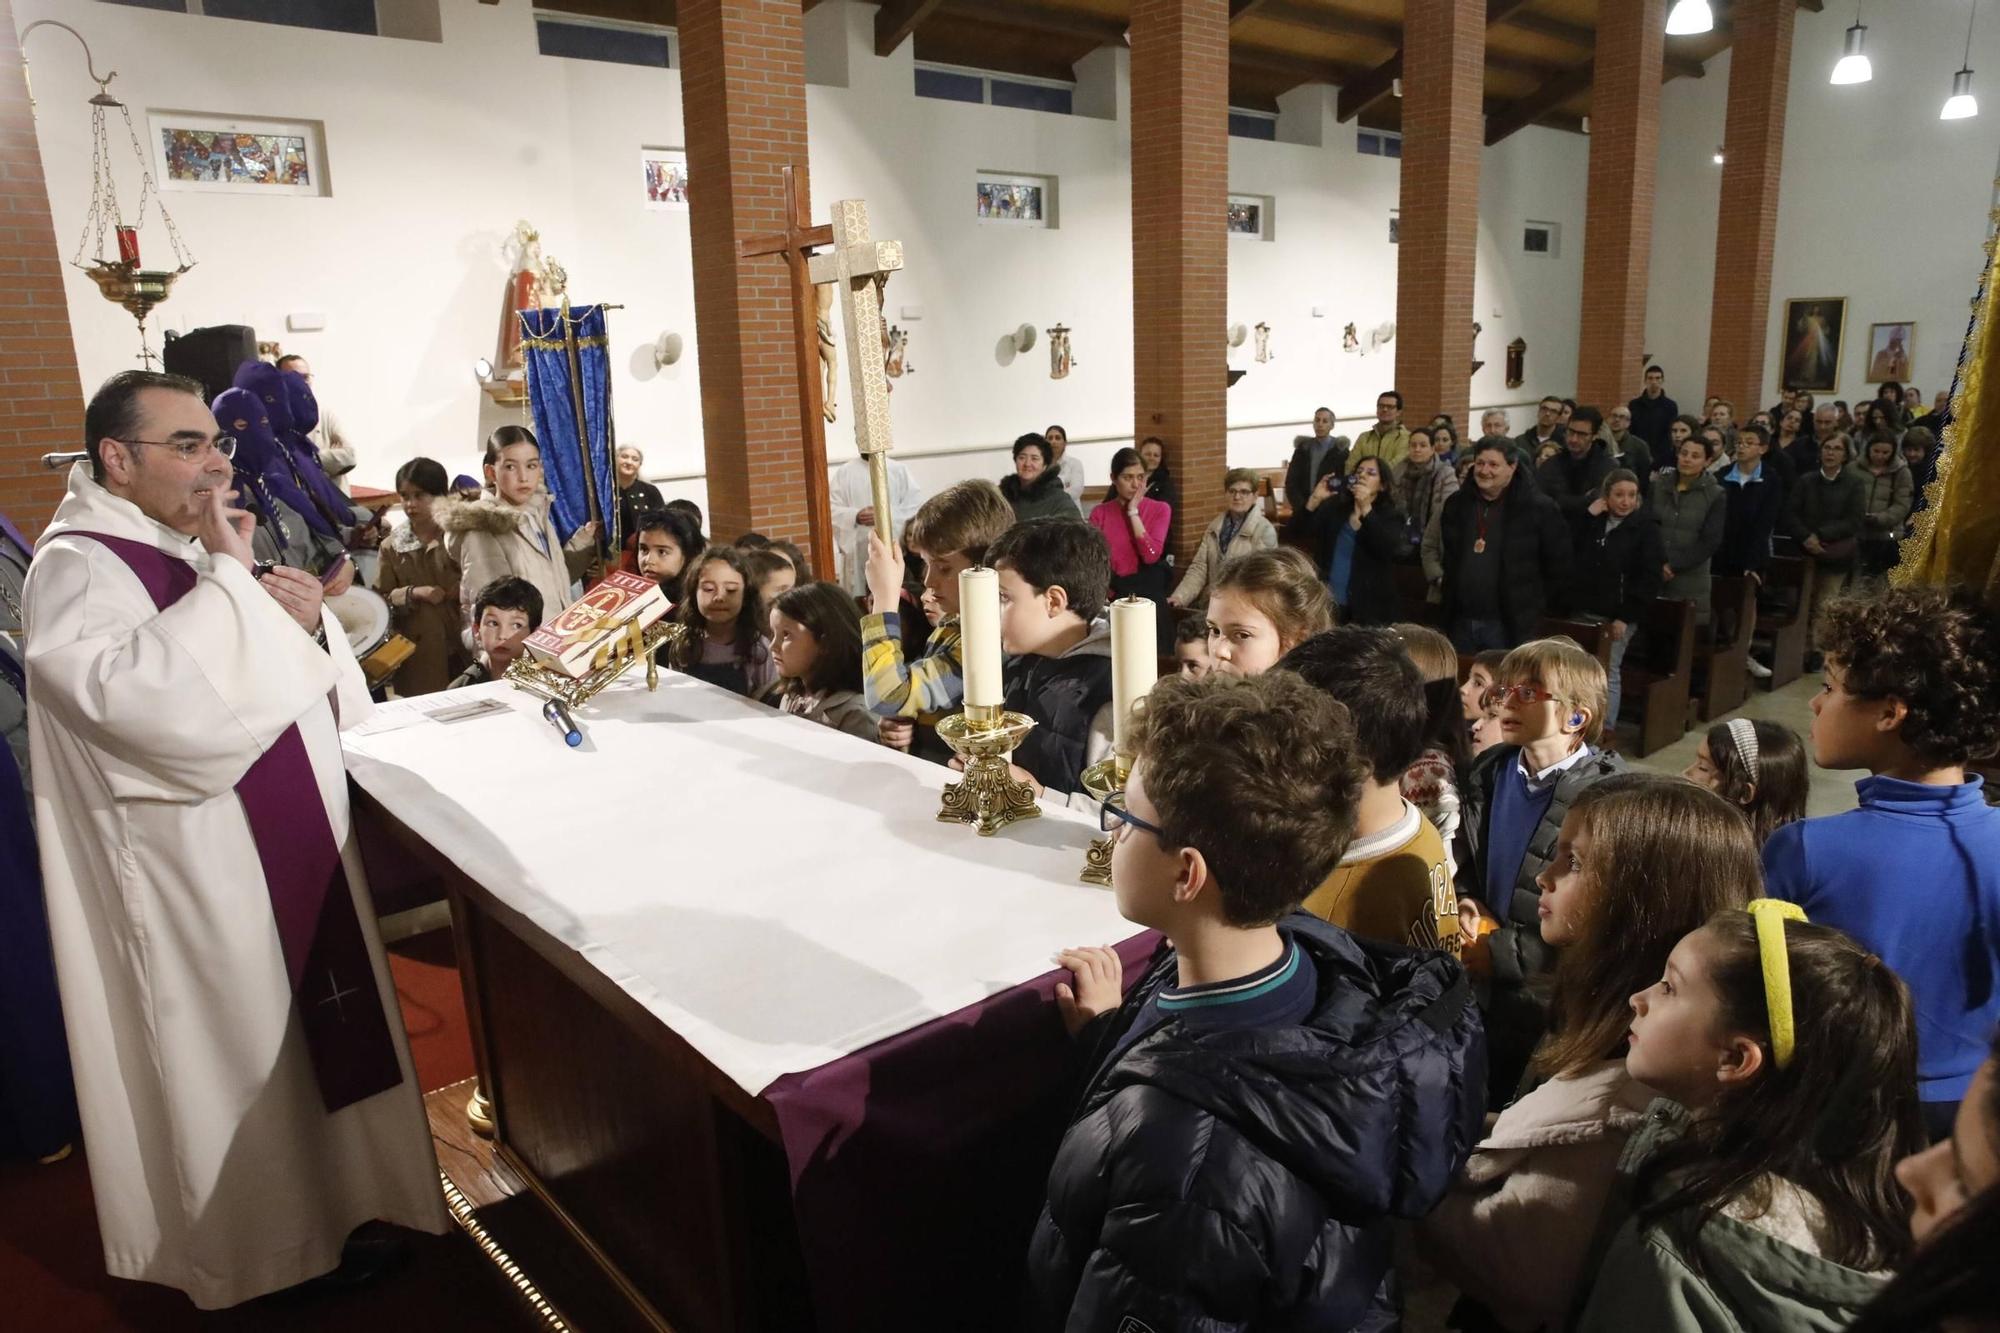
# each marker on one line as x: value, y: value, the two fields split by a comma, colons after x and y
x: 240, y: 1062
x: 1272, y: 1080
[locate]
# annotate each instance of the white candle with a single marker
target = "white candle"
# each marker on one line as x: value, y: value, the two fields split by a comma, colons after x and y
x: 1135, y: 664
x: 979, y: 636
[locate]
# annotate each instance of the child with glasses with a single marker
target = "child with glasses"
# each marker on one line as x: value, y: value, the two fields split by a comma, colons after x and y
x: 1760, y: 1194
x: 1274, y: 1090
x: 1551, y: 696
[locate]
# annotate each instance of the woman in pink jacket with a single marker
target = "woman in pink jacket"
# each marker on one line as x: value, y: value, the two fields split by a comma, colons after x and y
x: 1135, y: 528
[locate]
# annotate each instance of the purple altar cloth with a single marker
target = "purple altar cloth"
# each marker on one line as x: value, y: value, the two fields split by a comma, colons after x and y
x: 919, y: 1164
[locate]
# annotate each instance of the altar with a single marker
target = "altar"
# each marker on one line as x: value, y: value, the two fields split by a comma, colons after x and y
x: 773, y: 1043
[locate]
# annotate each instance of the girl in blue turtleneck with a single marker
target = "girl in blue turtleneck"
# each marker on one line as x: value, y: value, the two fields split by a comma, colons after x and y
x: 1912, y: 692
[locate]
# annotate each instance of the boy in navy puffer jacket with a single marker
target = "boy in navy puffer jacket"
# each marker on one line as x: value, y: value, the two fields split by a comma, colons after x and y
x: 1275, y: 1090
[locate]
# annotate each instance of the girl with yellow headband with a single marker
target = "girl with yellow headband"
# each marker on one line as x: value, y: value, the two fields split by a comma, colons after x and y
x: 1761, y: 1193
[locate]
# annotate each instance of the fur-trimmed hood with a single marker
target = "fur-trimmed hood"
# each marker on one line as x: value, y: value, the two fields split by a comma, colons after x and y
x: 486, y: 513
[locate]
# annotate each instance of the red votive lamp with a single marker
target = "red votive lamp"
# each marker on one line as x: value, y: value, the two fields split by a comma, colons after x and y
x: 128, y: 245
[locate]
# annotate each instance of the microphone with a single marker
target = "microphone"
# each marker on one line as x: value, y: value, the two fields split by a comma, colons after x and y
x: 558, y: 717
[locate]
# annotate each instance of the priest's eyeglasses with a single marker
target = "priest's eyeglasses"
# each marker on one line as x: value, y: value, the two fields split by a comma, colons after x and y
x: 1113, y: 818
x: 189, y: 450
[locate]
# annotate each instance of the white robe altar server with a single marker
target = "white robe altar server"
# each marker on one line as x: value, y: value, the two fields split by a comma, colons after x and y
x: 216, y: 1165
x: 854, y: 516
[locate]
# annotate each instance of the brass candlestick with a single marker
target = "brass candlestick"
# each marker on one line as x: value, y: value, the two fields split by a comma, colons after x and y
x: 1101, y: 779
x: 987, y: 797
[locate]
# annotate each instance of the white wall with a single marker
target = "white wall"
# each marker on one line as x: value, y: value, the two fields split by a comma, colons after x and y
x: 435, y: 149
x: 1880, y: 201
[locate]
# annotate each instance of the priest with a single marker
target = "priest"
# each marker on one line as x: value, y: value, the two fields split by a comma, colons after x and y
x: 853, y: 502
x: 241, y: 1069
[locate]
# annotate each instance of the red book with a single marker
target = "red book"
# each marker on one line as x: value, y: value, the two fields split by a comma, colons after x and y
x: 571, y: 642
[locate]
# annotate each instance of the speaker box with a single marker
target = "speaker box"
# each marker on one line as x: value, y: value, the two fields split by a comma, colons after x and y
x: 211, y: 355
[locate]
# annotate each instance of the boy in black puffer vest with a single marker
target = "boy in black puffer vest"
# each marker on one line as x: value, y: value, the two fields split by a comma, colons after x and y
x: 1055, y: 574
x: 1274, y: 1090
x: 1552, y: 708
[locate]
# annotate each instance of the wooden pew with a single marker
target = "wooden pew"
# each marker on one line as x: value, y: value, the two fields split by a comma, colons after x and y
x: 1721, y: 680
x: 1782, y: 614
x: 1412, y: 597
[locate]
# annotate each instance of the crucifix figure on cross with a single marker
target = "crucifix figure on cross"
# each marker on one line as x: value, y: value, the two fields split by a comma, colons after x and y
x: 853, y: 267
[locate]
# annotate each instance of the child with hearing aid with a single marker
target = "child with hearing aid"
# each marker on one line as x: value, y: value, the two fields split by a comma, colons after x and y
x: 1761, y: 1193
x: 1551, y: 696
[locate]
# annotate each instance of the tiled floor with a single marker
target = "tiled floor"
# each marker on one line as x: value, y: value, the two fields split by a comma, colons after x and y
x: 1832, y: 789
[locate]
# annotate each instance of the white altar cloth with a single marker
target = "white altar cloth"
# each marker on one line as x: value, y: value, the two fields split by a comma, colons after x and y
x: 777, y: 893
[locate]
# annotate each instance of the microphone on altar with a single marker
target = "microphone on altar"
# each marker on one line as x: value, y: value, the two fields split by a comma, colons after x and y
x: 559, y: 718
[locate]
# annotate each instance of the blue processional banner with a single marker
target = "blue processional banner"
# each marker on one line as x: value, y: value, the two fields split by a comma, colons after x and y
x: 569, y: 376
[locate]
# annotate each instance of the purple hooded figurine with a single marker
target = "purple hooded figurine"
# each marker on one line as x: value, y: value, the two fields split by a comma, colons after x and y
x: 262, y: 462
x: 268, y: 383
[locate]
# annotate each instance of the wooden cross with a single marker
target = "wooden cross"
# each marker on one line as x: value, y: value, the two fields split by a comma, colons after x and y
x: 853, y: 267
x: 796, y: 243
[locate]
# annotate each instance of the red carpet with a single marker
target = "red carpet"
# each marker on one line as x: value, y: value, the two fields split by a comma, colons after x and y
x: 433, y: 1009
x: 52, y: 1267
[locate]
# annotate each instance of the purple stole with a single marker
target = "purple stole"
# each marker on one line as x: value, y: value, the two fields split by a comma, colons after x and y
x: 326, y: 957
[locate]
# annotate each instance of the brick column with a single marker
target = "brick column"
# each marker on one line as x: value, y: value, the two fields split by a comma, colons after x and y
x: 1180, y: 240
x: 1618, y: 215
x: 1444, y: 129
x: 41, y: 398
x: 1753, y: 147
x: 743, y: 97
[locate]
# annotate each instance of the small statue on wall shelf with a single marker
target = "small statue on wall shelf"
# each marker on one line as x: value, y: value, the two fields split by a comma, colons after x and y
x: 895, y: 359
x: 1350, y: 341
x: 1263, y: 342
x: 1060, y: 360
x: 1517, y: 363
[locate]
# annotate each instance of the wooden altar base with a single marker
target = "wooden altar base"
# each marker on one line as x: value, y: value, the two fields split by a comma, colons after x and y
x: 638, y: 1155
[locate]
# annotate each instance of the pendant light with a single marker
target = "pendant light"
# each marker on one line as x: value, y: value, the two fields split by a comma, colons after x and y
x: 1962, y: 105
x: 1853, y: 66
x: 1689, y: 17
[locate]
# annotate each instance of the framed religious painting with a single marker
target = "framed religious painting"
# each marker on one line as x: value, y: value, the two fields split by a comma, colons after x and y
x: 1251, y: 216
x: 241, y: 155
x: 666, y: 175
x: 1014, y: 200
x: 1891, y: 347
x: 1811, y: 343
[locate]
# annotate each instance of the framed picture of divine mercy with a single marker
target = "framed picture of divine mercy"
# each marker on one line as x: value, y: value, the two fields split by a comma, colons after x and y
x: 1811, y: 341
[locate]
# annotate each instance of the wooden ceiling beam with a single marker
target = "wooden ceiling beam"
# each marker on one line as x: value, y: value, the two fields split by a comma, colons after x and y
x: 1330, y: 22
x: 896, y: 20
x: 1038, y: 16
x: 1359, y: 94
x: 1243, y: 9
x: 1305, y: 69
x: 1583, y: 39
x: 1557, y: 89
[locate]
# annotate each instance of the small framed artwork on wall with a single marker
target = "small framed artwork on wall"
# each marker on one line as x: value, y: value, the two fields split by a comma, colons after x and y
x: 1015, y: 200
x: 1890, y: 349
x: 666, y: 173
x: 1812, y: 340
x: 1252, y: 216
x: 238, y: 155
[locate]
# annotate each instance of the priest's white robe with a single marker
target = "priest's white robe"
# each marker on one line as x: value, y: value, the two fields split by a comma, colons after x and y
x: 850, y: 495
x: 215, y: 1165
